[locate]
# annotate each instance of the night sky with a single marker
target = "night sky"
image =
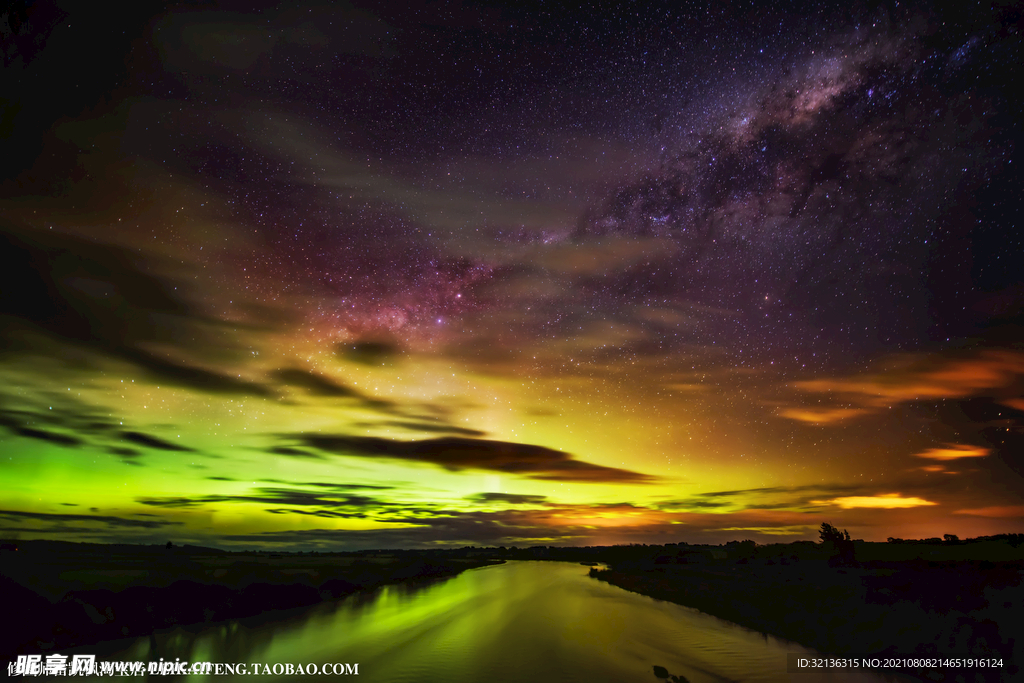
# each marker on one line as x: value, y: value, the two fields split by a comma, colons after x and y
x: 416, y: 274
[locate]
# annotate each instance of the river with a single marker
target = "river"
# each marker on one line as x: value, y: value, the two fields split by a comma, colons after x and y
x: 521, y: 622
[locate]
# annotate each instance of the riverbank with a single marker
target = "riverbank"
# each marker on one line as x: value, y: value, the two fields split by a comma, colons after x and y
x: 926, y: 609
x: 68, y: 595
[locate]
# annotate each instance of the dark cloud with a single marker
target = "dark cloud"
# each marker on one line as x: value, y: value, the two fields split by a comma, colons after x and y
x: 354, y: 501
x: 97, y: 519
x: 98, y: 297
x: 51, y: 437
x: 80, y: 290
x: 770, y: 497
x: 456, y: 453
x: 369, y: 352
x: 501, y: 528
x: 294, y: 452
x: 691, y: 504
x: 282, y: 496
x: 59, y: 411
x: 510, y: 498
x: 346, y: 487
x: 436, y: 428
x: 315, y: 384
x: 504, y: 527
x: 329, y: 514
x: 131, y: 454
x: 56, y: 411
x: 150, y: 441
x: 172, y: 502
x: 321, y: 386
x: 274, y: 496
x: 192, y: 376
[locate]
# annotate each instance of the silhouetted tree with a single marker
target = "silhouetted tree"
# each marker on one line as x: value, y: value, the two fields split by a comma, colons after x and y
x: 839, y: 541
x: 168, y: 546
x: 831, y: 533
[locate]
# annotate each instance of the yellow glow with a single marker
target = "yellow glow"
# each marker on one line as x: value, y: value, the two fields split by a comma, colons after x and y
x: 771, y: 530
x: 954, y: 451
x: 885, y: 500
x: 822, y: 415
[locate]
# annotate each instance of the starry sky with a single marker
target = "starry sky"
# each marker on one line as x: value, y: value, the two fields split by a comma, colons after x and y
x: 342, y: 276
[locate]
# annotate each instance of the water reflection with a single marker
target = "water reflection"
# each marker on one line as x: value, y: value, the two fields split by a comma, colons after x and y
x: 522, y: 621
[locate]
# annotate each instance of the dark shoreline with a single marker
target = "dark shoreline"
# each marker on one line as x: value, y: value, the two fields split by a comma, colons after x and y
x: 854, y: 610
x: 926, y: 598
x: 180, y: 590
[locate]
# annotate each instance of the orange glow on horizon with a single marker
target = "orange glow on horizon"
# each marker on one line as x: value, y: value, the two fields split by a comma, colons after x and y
x: 1005, y: 511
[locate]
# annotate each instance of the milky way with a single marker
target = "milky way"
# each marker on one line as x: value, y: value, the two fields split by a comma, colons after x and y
x: 375, y: 274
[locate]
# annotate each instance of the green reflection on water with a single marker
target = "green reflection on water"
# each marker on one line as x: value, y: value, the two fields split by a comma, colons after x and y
x: 521, y: 621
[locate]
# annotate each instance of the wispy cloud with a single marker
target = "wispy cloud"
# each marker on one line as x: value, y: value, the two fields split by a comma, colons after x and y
x: 458, y: 453
x: 508, y: 498
x: 932, y: 379
x: 105, y: 520
x: 996, y: 511
x: 150, y: 441
x: 913, y: 379
x: 884, y: 500
x: 822, y: 415
x: 954, y: 451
